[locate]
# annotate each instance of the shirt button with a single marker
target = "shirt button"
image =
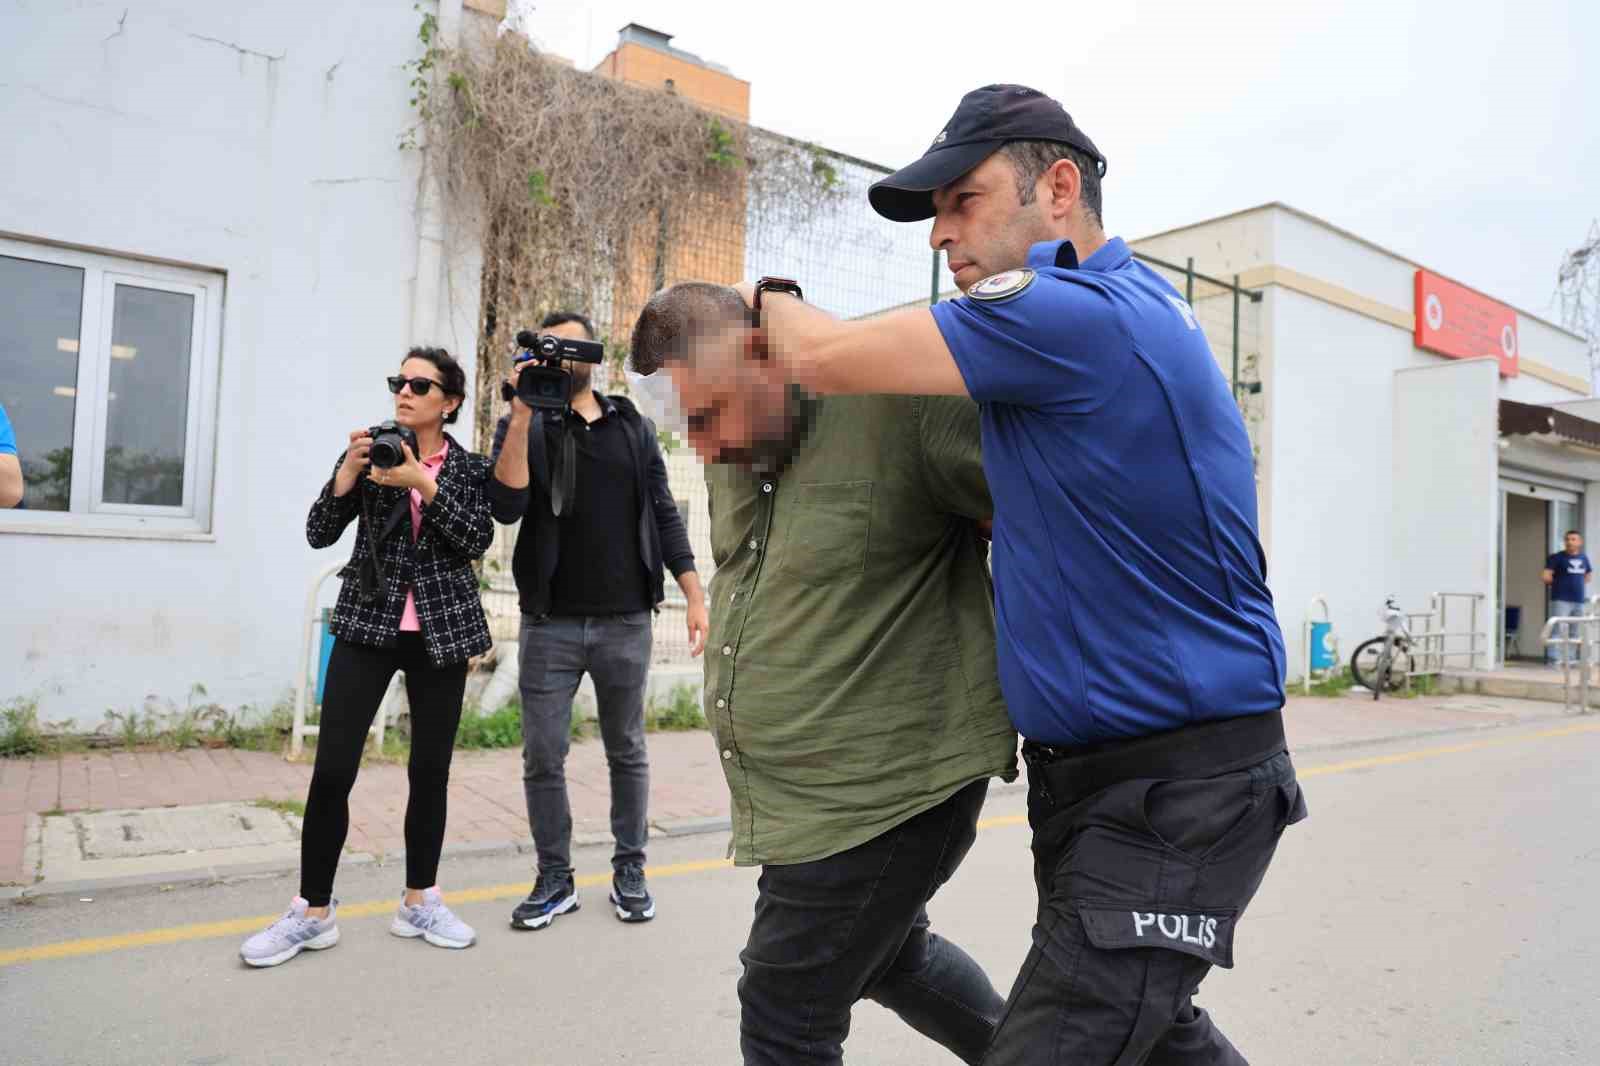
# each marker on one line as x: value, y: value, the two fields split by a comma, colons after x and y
x: 767, y: 487
x: 727, y: 649
x: 727, y: 753
x: 722, y: 703
x: 754, y: 544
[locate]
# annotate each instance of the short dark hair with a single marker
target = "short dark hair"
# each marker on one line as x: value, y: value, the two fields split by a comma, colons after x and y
x: 1573, y: 533
x: 452, y: 376
x: 561, y: 318
x: 672, y: 317
x: 1031, y: 159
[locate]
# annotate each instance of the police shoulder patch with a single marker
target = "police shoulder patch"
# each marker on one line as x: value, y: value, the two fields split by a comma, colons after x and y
x: 1005, y: 284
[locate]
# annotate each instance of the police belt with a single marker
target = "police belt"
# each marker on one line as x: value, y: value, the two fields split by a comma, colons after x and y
x: 1070, y: 773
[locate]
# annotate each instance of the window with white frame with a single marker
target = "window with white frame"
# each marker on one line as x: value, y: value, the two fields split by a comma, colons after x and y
x: 108, y: 371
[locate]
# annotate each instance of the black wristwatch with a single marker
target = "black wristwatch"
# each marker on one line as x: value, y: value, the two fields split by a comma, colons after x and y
x: 770, y: 284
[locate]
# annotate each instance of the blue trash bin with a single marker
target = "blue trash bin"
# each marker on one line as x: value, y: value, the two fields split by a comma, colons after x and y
x: 1322, y: 655
x: 327, y: 650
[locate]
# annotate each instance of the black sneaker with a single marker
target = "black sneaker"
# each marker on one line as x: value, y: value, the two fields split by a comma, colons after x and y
x: 550, y: 897
x: 629, y: 894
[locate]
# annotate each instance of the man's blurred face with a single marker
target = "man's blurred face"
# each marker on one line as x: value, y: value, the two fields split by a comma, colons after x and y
x: 1574, y: 543
x: 736, y: 407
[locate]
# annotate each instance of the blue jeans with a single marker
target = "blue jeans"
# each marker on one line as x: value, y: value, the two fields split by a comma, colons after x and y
x: 1566, y: 609
x: 555, y: 653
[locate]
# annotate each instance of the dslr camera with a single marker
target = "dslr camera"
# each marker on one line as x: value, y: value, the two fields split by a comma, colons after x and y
x: 386, y: 440
x: 547, y: 385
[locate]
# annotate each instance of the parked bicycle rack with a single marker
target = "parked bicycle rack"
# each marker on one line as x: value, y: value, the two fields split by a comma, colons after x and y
x: 308, y: 655
x: 1588, y: 642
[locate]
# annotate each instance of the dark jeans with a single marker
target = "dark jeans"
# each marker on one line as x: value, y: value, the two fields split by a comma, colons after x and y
x: 357, y: 678
x: 556, y: 651
x: 1141, y: 884
x: 853, y: 925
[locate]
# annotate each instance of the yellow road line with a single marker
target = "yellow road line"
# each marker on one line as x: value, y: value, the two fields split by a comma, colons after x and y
x: 177, y: 934
x: 67, y: 949
x: 1453, y: 749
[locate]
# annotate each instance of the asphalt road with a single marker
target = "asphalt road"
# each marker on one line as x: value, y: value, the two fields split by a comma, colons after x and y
x: 1439, y: 907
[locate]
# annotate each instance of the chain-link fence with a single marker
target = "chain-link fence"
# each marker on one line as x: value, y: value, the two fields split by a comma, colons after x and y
x: 854, y: 264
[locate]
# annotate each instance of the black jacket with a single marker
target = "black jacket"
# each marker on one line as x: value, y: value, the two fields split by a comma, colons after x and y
x: 437, y: 567
x: 663, y: 540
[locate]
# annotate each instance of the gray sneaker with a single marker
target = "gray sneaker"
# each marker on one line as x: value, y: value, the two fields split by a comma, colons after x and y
x: 433, y: 922
x: 290, y: 935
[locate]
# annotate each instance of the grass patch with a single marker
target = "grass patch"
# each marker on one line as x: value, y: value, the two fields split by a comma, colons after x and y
x: 19, y: 728
x: 294, y: 807
x: 1331, y: 684
x: 681, y: 712
x: 499, y: 729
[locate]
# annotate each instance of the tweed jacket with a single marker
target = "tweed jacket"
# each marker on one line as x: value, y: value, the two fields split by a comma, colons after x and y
x: 456, y: 529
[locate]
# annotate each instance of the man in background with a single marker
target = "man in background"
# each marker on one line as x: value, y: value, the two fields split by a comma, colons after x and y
x: 1567, y: 574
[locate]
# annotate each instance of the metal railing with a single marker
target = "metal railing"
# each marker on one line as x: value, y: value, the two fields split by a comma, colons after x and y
x: 1588, y: 644
x: 1431, y: 647
x: 309, y: 657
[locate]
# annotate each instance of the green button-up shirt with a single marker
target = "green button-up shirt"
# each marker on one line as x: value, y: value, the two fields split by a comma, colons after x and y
x: 850, y: 674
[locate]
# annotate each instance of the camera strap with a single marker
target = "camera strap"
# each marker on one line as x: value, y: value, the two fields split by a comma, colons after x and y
x: 563, y: 471
x: 373, y: 578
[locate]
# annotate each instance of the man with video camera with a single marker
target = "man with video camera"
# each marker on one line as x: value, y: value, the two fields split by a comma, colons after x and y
x: 585, y: 474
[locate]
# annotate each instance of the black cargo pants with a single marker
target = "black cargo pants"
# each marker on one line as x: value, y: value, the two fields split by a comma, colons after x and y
x: 1146, y: 852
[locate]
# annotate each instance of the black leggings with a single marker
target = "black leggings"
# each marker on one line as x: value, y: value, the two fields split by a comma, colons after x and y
x: 358, y: 676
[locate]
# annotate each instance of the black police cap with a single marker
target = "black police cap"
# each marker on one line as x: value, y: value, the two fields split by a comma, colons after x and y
x: 985, y: 119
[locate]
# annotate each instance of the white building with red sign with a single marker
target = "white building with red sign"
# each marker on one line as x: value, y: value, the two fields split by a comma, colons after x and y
x: 1414, y: 436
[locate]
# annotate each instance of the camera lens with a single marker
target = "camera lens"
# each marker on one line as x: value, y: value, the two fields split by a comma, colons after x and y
x: 549, y: 346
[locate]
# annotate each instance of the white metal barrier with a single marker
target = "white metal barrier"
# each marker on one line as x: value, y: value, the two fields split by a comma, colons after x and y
x: 1587, y: 642
x: 1432, y: 647
x: 309, y: 656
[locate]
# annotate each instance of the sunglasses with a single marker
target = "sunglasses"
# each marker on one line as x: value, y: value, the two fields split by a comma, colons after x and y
x: 419, y: 386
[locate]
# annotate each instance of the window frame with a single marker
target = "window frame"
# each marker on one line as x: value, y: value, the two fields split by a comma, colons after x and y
x: 87, y: 514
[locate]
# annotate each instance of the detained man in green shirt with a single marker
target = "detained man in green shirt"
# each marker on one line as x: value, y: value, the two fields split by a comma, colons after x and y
x: 850, y: 681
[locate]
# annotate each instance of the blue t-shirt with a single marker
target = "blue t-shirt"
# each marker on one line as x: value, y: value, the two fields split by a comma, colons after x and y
x: 8, y: 436
x: 1130, y: 584
x: 1568, y: 571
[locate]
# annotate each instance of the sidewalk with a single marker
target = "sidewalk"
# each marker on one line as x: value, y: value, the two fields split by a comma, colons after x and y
x: 687, y: 793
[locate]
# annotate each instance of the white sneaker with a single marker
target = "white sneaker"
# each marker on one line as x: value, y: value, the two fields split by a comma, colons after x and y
x: 433, y: 922
x: 290, y: 935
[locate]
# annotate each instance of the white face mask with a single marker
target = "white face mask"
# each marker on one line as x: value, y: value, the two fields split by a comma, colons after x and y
x: 658, y: 399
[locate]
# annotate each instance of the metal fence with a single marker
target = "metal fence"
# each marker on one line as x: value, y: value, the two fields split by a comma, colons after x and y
x: 854, y: 264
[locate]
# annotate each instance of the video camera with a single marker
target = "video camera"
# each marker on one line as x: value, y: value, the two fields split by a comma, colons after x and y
x: 548, y: 385
x: 387, y: 437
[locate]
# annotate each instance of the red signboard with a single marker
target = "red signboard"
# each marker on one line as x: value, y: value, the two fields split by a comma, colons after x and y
x: 1453, y: 320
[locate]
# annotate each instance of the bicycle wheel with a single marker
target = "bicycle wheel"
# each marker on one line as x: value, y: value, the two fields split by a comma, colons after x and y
x: 1367, y: 660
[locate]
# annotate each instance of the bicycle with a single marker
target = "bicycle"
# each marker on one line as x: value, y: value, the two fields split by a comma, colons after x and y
x: 1385, y: 662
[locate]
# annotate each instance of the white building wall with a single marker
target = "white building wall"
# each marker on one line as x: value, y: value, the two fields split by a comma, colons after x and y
x: 260, y: 141
x: 1446, y: 498
x: 1330, y: 410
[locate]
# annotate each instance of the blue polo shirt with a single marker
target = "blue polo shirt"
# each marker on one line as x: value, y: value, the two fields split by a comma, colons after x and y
x: 1568, y: 571
x: 1130, y: 584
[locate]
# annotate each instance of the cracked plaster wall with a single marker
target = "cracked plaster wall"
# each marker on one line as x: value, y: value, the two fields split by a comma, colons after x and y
x: 259, y: 141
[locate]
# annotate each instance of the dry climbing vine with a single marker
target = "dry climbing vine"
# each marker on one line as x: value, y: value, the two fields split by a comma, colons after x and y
x: 589, y: 193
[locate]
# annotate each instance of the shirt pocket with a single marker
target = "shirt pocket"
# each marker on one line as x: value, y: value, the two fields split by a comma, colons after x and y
x: 828, y: 530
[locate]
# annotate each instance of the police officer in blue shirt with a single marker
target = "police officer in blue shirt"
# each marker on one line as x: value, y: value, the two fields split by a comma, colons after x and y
x: 1139, y: 652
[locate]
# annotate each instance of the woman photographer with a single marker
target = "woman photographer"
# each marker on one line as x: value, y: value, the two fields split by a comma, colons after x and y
x: 409, y: 602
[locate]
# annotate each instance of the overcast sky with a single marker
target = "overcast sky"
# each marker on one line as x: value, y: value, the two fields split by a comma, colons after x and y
x: 1464, y: 135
